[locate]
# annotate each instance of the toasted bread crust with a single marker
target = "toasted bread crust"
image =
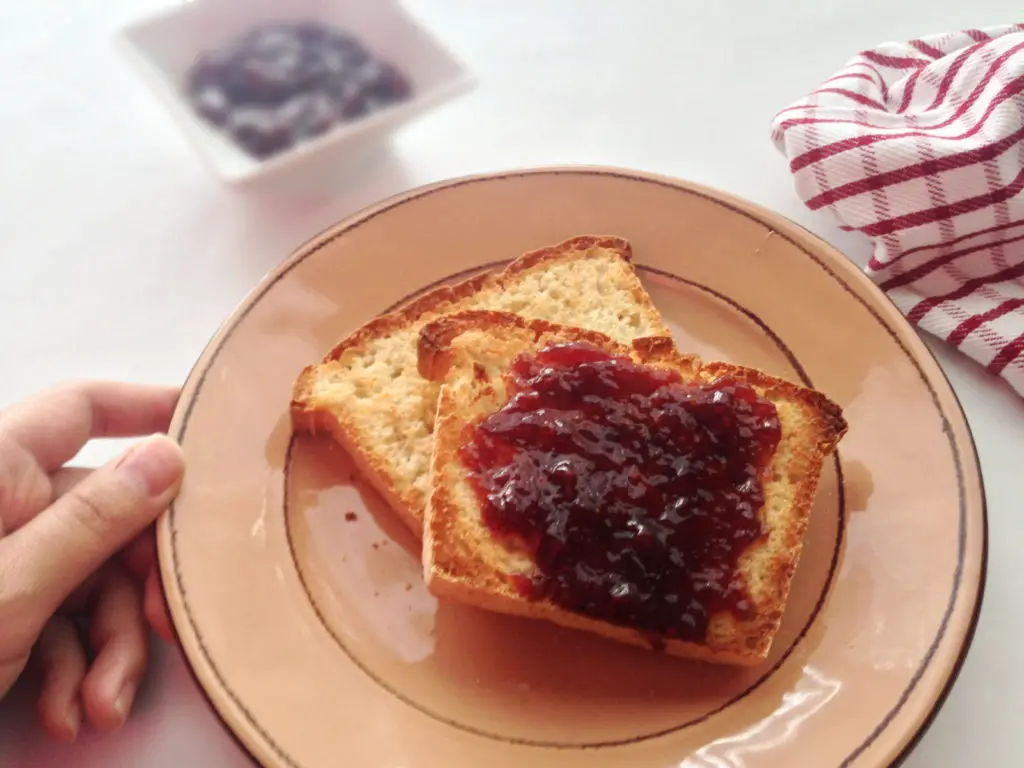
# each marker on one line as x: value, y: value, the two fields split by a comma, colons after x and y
x: 437, y: 300
x: 434, y: 349
x: 313, y: 413
x: 463, y: 562
x: 433, y: 302
x: 470, y: 593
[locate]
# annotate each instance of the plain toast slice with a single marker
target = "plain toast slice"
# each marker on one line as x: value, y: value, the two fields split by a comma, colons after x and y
x: 368, y: 395
x: 471, y: 353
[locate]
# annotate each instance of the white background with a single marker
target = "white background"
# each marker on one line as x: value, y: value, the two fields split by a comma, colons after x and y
x: 119, y: 256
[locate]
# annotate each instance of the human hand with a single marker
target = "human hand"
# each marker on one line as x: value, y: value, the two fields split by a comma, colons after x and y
x: 77, y: 547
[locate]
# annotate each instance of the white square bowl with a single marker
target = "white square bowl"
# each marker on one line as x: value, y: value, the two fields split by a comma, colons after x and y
x: 163, y: 47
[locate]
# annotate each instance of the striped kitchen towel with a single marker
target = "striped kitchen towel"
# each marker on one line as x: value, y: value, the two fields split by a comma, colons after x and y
x: 920, y: 146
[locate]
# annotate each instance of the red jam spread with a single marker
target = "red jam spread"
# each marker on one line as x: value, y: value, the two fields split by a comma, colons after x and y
x: 634, y: 491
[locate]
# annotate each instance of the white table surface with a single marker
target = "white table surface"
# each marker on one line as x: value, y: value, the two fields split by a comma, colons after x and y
x: 120, y: 256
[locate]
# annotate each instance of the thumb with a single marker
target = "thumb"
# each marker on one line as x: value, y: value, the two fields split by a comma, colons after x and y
x: 55, y: 552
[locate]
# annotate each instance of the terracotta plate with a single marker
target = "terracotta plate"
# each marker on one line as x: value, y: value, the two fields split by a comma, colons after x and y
x: 298, y: 596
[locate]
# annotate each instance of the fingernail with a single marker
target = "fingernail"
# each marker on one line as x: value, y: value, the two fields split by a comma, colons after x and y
x: 74, y: 721
x: 155, y: 464
x: 123, y: 704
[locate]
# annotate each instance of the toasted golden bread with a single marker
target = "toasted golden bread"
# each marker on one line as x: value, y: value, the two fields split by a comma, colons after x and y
x: 368, y: 394
x: 471, y: 353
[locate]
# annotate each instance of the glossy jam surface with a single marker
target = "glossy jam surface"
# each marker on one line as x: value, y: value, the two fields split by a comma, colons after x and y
x: 284, y: 83
x: 634, y: 491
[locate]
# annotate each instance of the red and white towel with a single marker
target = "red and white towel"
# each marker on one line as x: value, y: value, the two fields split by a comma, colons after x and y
x: 920, y: 146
